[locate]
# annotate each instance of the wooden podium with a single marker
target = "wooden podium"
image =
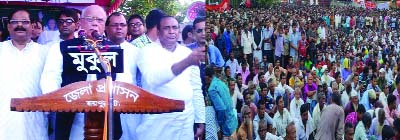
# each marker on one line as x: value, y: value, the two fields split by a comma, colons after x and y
x: 89, y: 97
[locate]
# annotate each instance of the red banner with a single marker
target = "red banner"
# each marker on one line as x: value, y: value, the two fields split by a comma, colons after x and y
x: 370, y: 5
x: 398, y: 3
x: 224, y: 5
x: 248, y: 3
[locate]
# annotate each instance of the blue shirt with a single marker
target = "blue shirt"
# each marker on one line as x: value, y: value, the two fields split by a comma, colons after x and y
x: 215, y: 56
x: 279, y: 45
x: 219, y: 95
x: 294, y: 38
x: 227, y: 42
x: 365, y: 101
x: 345, y: 74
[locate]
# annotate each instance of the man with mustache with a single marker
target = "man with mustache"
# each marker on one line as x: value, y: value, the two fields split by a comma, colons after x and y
x: 55, y: 76
x: 166, y: 68
x: 22, y: 62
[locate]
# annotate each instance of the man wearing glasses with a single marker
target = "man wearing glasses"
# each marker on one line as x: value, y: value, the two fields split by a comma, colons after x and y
x: 67, y: 22
x: 135, y: 26
x: 22, y: 62
x: 166, y: 68
x: 116, y: 30
x: 55, y: 74
x: 198, y: 82
x: 152, y: 20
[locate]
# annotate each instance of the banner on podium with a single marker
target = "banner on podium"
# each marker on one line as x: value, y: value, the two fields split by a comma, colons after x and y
x: 80, y: 59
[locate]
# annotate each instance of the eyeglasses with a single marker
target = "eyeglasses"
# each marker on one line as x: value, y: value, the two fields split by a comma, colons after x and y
x: 137, y: 24
x: 24, y: 22
x: 118, y: 24
x: 199, y: 30
x: 91, y: 19
x: 67, y: 21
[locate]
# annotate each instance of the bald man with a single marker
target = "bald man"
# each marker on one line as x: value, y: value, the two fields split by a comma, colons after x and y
x: 55, y: 76
x: 166, y: 68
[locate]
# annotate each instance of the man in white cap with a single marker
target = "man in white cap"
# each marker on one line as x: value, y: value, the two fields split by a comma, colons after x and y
x: 381, y: 81
x: 383, y: 95
x: 353, y: 105
x: 368, y: 99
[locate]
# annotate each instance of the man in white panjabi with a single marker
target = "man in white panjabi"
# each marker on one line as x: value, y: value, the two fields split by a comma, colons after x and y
x: 166, y: 72
x: 67, y: 23
x: 22, y: 62
x: 93, y: 19
x: 117, y: 28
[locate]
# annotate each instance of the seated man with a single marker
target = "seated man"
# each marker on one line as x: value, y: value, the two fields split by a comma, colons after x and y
x: 245, y: 131
x: 264, y: 134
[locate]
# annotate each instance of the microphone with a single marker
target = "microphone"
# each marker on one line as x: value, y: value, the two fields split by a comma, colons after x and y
x: 82, y: 34
x: 95, y: 34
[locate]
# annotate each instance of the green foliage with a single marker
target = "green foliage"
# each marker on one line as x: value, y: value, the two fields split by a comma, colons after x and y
x: 142, y: 7
x: 267, y: 2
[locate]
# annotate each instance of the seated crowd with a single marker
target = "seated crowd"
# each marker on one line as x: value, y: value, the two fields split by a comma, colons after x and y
x: 303, y: 72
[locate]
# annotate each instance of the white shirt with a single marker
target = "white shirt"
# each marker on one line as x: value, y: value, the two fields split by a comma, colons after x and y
x: 327, y: 79
x: 282, y: 121
x: 266, y: 34
x: 322, y: 34
x: 302, y: 134
x: 236, y: 95
x: 316, y: 116
x: 20, y: 76
x: 198, y: 97
x: 51, y: 43
x: 345, y: 98
x: 270, y: 136
x: 286, y: 87
x: 256, y: 121
x: 51, y: 78
x: 155, y: 63
x: 383, y: 98
x: 247, y: 41
x: 234, y: 65
x: 48, y: 36
x: 295, y: 108
x: 268, y: 75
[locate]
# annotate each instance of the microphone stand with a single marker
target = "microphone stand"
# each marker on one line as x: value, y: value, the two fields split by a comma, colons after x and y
x: 108, y: 110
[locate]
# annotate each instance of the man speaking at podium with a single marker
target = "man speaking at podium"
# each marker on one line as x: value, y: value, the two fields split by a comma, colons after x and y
x: 55, y: 76
x: 166, y: 68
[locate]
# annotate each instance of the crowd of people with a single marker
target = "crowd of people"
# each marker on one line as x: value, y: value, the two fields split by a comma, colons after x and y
x: 303, y: 72
x: 153, y: 60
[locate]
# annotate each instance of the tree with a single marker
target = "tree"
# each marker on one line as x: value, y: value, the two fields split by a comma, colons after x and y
x: 142, y: 7
x: 267, y: 2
